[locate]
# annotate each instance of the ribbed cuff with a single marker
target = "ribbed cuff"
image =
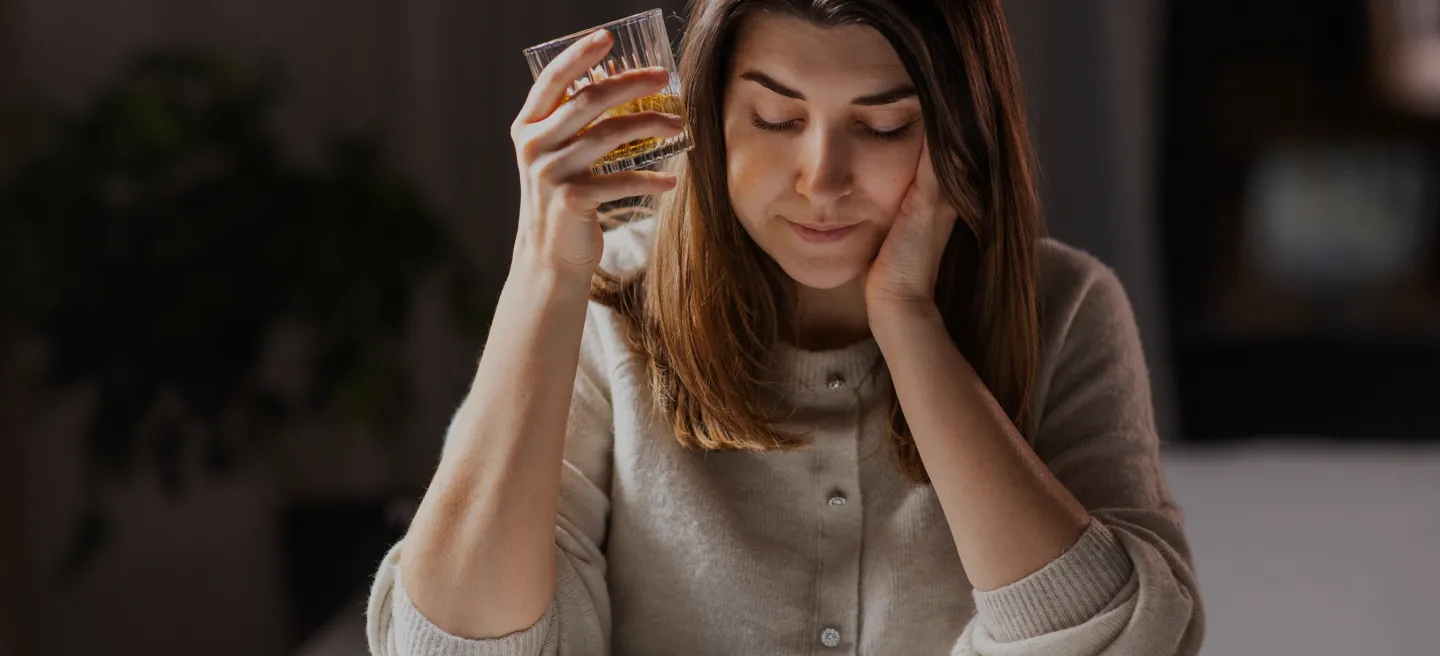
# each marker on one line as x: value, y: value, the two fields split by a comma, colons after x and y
x: 416, y: 634
x: 1067, y: 592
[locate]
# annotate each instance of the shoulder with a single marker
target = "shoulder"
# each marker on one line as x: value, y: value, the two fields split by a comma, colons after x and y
x: 1089, y: 342
x: 1080, y: 296
x: 628, y: 246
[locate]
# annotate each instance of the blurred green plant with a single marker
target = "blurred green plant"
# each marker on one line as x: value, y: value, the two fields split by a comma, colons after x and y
x: 154, y: 241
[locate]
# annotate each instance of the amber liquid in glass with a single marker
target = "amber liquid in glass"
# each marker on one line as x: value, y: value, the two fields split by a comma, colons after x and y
x: 656, y: 102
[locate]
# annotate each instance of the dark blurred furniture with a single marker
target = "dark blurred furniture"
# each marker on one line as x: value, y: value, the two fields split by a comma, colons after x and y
x: 1298, y: 225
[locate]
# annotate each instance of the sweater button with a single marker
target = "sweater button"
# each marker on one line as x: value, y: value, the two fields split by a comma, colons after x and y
x: 835, y: 381
x: 830, y: 637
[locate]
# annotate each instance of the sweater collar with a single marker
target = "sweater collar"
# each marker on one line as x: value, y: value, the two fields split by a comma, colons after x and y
x: 857, y: 368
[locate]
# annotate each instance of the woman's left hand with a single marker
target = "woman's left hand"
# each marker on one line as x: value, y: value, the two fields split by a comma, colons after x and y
x: 904, y: 271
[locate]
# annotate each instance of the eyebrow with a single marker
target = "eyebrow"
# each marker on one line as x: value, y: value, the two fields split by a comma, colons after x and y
x: 883, y: 98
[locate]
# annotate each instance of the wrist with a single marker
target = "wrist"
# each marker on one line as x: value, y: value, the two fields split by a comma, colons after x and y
x: 901, y: 310
x: 545, y: 282
x: 892, y: 319
x: 545, y: 285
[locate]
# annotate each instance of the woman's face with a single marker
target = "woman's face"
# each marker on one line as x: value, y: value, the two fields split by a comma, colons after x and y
x: 823, y: 133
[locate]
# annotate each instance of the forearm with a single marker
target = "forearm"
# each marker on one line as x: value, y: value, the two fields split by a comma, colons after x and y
x: 479, y: 558
x: 1008, y: 514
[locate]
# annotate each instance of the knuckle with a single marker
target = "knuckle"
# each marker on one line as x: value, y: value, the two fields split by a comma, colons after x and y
x: 550, y: 76
x: 604, y: 129
x: 529, y: 148
x: 547, y: 168
x: 571, y: 195
x: 584, y: 100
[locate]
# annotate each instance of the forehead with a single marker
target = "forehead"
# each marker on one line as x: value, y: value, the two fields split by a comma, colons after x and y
x: 805, y: 54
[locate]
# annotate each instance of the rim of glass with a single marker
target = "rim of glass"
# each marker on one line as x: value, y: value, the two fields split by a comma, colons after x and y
x: 633, y: 18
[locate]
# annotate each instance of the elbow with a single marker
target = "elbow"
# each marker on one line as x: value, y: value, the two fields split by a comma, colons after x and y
x: 1160, y: 612
x: 1152, y: 607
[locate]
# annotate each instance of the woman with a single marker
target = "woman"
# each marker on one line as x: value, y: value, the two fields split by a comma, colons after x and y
x: 837, y: 395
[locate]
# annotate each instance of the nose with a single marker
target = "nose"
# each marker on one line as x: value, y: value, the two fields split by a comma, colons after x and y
x: 825, y: 169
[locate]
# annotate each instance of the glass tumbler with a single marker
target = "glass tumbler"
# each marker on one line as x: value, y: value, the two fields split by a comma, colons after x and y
x: 638, y: 41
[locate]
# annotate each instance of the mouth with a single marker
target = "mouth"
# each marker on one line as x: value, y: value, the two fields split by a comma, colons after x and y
x: 822, y: 234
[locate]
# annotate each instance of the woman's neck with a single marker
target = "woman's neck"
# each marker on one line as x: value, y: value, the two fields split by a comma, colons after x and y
x: 827, y: 319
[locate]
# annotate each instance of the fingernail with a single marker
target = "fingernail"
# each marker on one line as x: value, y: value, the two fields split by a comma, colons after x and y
x: 599, y: 36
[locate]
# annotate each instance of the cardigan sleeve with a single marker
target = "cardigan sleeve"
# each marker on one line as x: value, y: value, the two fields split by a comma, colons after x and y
x: 578, y: 618
x: 1127, y: 586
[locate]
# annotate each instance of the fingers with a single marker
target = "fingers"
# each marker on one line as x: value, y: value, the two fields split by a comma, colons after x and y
x: 925, y: 172
x: 927, y: 185
x: 613, y: 132
x: 591, y: 102
x: 587, y: 194
x: 549, y: 88
x: 942, y: 212
x: 548, y: 124
x: 918, y: 198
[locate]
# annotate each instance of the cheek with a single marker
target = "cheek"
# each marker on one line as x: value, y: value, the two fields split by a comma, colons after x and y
x: 761, y: 180
x: 889, y: 172
x: 756, y: 178
x: 759, y: 172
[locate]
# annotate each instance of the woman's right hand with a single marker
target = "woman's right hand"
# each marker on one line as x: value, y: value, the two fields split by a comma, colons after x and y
x: 559, y: 233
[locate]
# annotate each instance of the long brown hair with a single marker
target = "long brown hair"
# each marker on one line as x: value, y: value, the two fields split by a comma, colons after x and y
x: 707, y: 310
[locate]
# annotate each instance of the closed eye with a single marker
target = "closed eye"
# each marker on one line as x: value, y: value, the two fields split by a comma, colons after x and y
x: 886, y: 135
x: 763, y: 124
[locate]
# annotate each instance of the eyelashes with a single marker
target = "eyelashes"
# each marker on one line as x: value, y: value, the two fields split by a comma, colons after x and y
x: 890, y: 135
x: 767, y: 126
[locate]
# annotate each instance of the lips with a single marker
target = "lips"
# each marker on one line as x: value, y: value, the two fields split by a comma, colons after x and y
x: 822, y: 235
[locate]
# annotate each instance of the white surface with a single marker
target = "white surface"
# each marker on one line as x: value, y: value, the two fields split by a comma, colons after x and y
x: 1301, y: 548
x: 1314, y: 549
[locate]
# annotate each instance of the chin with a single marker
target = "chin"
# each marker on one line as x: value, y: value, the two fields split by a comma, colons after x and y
x: 821, y: 275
